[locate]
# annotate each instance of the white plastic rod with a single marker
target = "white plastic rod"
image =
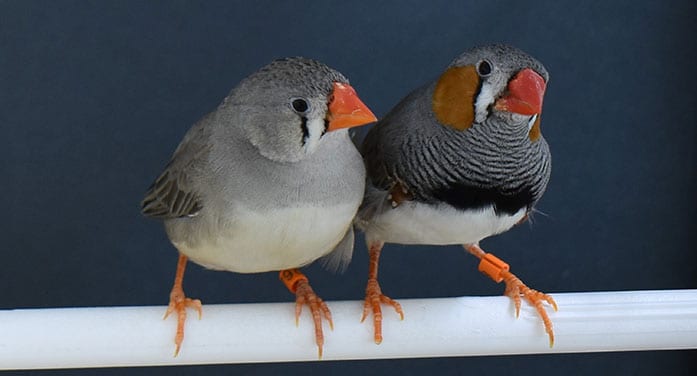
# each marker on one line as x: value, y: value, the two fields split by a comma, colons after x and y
x: 245, y: 333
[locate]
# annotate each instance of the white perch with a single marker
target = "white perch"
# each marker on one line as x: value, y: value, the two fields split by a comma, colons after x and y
x: 246, y: 333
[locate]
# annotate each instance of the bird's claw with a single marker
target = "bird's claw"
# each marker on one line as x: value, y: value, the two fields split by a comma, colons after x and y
x: 515, y: 289
x: 318, y: 308
x: 374, y: 298
x: 178, y: 303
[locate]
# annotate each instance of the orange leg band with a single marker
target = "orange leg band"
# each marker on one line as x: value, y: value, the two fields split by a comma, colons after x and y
x: 291, y: 278
x: 493, y: 267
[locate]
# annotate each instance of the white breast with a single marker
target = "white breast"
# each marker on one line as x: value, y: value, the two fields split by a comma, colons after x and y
x: 418, y: 223
x: 255, y: 241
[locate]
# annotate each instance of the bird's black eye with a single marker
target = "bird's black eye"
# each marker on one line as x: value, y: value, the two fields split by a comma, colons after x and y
x: 300, y: 105
x: 484, y: 68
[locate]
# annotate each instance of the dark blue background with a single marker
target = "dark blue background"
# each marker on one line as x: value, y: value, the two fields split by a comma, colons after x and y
x: 94, y: 97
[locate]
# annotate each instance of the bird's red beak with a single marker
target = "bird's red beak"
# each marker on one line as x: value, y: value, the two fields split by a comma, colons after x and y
x: 346, y: 110
x: 525, y: 93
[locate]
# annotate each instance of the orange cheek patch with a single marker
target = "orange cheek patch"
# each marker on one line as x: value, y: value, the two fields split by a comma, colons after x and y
x: 453, y: 98
x: 535, y: 131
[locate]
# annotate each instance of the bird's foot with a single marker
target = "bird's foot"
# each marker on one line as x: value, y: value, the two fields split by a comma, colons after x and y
x: 515, y: 289
x: 298, y: 284
x: 499, y: 271
x: 373, y: 300
x: 178, y: 303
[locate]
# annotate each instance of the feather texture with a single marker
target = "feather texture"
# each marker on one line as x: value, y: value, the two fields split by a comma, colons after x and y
x: 493, y: 164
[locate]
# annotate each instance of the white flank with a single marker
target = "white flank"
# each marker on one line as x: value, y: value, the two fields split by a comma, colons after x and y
x: 417, y: 223
x: 275, y: 240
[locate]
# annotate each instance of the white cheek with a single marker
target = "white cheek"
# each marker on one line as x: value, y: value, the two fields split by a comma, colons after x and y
x: 315, y: 130
x: 531, y: 122
x: 484, y: 100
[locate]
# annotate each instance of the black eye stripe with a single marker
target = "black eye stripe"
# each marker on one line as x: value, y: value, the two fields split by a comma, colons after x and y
x: 306, y: 131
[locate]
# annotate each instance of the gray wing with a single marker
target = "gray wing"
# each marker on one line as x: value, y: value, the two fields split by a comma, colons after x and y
x: 172, y: 195
x: 340, y: 257
x: 168, y: 197
x: 379, y: 178
x: 383, y: 152
x: 374, y: 157
x: 383, y: 146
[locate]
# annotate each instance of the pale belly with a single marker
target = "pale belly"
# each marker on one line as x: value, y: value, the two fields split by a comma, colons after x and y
x: 417, y: 223
x: 281, y: 239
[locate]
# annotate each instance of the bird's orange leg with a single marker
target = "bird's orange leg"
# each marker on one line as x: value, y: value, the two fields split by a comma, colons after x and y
x: 374, y: 296
x: 178, y: 302
x: 498, y: 270
x: 298, y: 284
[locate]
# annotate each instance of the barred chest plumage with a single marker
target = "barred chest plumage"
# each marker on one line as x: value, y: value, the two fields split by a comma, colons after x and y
x: 468, y: 186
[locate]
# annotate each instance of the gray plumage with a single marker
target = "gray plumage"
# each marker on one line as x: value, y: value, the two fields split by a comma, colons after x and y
x: 494, y: 162
x: 257, y: 160
x: 456, y: 161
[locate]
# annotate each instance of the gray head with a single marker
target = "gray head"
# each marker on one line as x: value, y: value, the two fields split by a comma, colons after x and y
x: 286, y: 107
x: 503, y: 58
x: 492, y: 80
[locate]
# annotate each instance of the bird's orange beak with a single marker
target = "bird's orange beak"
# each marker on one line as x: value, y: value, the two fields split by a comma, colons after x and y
x: 525, y: 93
x: 346, y: 110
